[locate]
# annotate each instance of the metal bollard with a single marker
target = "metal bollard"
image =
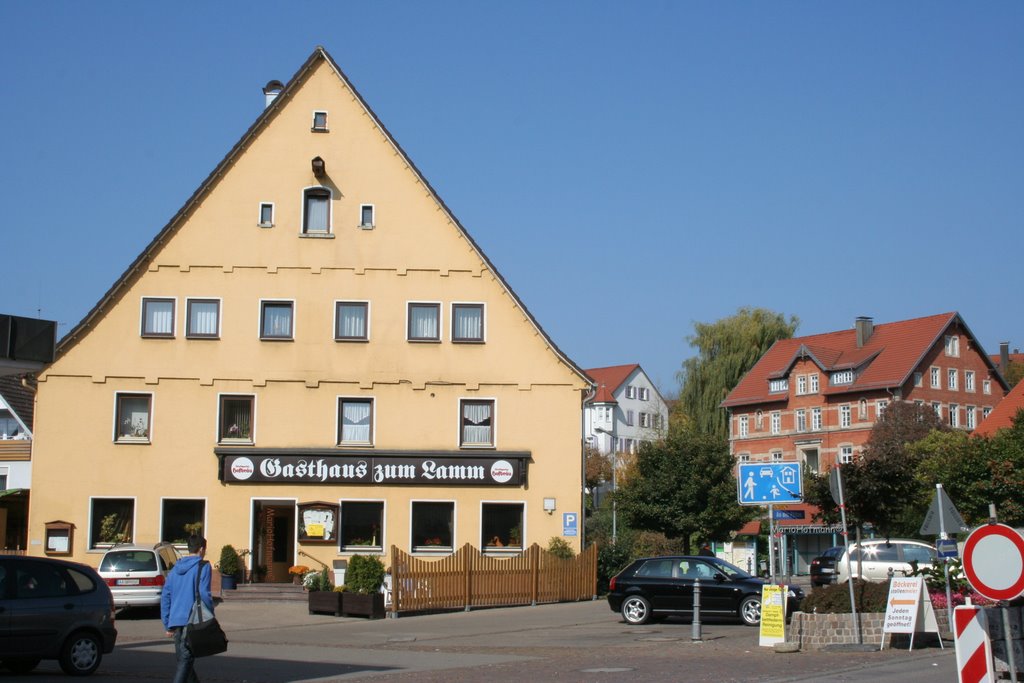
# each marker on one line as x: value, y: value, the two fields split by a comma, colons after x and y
x: 696, y: 611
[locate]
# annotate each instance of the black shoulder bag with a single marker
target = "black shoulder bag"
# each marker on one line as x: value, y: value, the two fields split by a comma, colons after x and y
x: 203, y: 633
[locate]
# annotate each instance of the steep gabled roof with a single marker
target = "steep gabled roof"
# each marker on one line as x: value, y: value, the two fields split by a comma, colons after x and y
x: 608, y: 380
x: 887, y: 359
x: 318, y: 57
x: 20, y: 399
x: 1002, y: 415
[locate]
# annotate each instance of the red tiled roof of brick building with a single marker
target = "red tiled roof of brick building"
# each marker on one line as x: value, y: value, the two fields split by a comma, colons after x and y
x: 1002, y: 415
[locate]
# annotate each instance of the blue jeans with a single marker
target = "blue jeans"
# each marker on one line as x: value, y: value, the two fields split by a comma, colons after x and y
x: 185, y: 673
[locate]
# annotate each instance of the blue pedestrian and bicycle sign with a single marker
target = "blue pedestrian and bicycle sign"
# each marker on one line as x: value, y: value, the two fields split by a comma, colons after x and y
x: 770, y: 483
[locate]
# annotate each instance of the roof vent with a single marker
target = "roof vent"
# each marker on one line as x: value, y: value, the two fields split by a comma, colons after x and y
x: 271, y: 90
x: 865, y: 326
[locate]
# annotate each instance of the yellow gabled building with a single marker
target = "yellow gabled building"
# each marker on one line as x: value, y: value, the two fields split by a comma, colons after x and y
x: 312, y: 358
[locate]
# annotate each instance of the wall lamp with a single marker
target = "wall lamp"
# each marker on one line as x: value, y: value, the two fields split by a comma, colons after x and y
x: 319, y: 167
x: 549, y: 505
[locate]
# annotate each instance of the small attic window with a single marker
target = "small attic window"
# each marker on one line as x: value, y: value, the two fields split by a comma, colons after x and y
x: 842, y: 377
x: 266, y: 215
x: 776, y: 386
x: 320, y: 122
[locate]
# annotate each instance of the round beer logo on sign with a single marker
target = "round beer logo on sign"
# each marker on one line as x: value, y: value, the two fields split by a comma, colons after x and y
x: 501, y: 471
x: 242, y: 468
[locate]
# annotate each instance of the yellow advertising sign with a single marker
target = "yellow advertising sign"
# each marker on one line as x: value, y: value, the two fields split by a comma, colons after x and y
x: 773, y: 615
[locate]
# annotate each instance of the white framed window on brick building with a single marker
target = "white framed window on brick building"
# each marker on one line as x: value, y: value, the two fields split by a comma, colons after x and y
x: 918, y: 379
x: 845, y: 416
x: 936, y: 377
x: 954, y: 415
x: 777, y: 386
x: 971, y: 417
x: 845, y: 455
x: 986, y: 386
x: 812, y: 380
x: 951, y: 379
x: 776, y: 418
x: 816, y: 424
x: 801, y: 420
x: 985, y: 412
x: 952, y: 345
x: 880, y: 407
x: 776, y: 456
x: 743, y: 426
x: 969, y: 380
x: 937, y: 407
x: 801, y: 385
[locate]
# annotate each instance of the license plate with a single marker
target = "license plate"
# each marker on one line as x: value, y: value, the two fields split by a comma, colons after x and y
x: 826, y: 571
x: 127, y: 582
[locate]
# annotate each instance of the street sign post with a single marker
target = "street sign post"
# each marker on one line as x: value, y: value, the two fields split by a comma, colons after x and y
x: 774, y: 483
x: 942, y: 513
x: 946, y: 547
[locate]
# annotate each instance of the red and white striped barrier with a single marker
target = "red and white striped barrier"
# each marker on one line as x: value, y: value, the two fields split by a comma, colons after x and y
x: 973, y: 647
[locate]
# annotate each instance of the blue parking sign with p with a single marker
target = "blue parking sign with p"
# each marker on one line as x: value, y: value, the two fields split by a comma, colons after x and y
x: 769, y: 483
x: 570, y: 523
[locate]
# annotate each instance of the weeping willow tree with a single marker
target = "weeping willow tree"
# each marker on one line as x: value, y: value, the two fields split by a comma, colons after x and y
x: 726, y: 350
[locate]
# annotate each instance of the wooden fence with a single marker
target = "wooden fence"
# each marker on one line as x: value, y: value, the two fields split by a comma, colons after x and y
x: 468, y: 579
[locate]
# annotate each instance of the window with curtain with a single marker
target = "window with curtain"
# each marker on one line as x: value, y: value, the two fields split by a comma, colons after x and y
x: 432, y: 525
x: 133, y: 413
x: 351, y: 320
x: 477, y: 423
x: 317, y: 214
x: 202, y: 319
x: 158, y: 317
x: 276, y: 320
x: 424, y: 322
x: 236, y: 418
x: 355, y: 420
x: 467, y: 322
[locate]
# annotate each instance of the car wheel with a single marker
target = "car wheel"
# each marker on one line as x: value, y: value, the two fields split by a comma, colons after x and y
x: 81, y: 654
x: 636, y: 610
x: 21, y: 666
x: 750, y: 610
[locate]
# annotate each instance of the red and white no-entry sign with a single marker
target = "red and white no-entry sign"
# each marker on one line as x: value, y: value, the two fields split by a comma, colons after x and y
x: 994, y: 561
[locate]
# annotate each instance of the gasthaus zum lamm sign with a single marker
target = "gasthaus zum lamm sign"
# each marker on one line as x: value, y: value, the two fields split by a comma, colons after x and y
x: 437, y: 469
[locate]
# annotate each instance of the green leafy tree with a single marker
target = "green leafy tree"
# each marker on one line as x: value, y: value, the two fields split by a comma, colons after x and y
x: 683, y: 486
x: 1014, y: 373
x: 726, y: 350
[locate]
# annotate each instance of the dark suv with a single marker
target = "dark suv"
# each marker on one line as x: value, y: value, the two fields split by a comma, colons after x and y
x: 823, y: 567
x: 53, y: 609
x: 656, y: 587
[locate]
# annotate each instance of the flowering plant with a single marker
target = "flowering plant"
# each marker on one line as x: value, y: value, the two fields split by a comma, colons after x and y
x: 298, y: 570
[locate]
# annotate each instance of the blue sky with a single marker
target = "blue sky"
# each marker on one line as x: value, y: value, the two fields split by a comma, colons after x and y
x: 630, y: 168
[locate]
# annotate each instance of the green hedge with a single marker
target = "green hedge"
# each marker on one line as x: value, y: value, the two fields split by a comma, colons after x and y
x: 835, y: 599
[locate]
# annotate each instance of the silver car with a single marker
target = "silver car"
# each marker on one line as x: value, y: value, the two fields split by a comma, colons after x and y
x: 874, y: 559
x: 136, y: 573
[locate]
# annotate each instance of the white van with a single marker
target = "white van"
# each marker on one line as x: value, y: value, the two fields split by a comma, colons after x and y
x: 873, y: 559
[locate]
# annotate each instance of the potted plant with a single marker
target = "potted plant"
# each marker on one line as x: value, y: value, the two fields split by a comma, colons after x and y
x: 363, y: 579
x: 322, y: 596
x: 298, y: 573
x: 229, y: 567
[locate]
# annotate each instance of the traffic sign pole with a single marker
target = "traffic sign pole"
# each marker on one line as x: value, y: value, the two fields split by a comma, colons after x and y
x: 846, y: 542
x: 945, y: 560
x: 771, y: 543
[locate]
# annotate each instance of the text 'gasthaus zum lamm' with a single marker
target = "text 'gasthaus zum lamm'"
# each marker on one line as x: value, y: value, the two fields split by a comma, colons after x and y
x: 321, y: 470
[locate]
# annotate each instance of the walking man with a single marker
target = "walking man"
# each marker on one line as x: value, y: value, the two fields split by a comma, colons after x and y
x: 177, y: 599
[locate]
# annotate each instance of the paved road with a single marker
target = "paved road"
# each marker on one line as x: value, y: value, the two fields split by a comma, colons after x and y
x: 275, y: 643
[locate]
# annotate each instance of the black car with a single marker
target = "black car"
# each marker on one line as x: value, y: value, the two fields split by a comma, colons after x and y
x: 53, y: 609
x: 823, y: 567
x: 657, y: 587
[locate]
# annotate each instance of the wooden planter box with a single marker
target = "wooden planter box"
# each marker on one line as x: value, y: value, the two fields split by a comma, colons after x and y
x: 325, y: 601
x: 358, y: 605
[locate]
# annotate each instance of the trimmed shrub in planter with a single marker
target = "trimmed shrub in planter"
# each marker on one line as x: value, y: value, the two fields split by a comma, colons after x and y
x: 363, y: 579
x: 835, y: 599
x: 322, y: 596
x: 229, y: 567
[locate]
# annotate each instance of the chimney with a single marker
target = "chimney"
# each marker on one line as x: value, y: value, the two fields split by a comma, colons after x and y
x: 1004, y: 357
x: 864, y: 326
x: 271, y: 91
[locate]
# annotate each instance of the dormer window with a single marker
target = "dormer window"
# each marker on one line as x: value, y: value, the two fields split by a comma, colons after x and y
x: 776, y: 386
x: 842, y: 377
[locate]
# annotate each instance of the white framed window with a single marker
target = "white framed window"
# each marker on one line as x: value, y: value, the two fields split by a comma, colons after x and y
x: 776, y: 386
x: 237, y: 419
x: 202, y: 318
x: 133, y: 417
x: 816, y: 419
x: 362, y: 525
x: 277, y: 320
x: 918, y: 379
x: 10, y: 426
x: 952, y: 345
x: 355, y: 421
x: 985, y: 412
x: 969, y: 380
x: 631, y: 392
x: 776, y: 418
x: 862, y: 410
x: 111, y: 520
x: 319, y: 124
x: 423, y: 321
x: 986, y: 386
x: 813, y: 382
x: 629, y: 418
x: 468, y: 323
x: 971, y: 417
x: 842, y: 377
x: 937, y: 407
x: 845, y: 416
x: 954, y: 415
x: 266, y: 218
x: 158, y: 317
x: 801, y: 384
x: 182, y: 517
x: 351, y: 320
x: 776, y: 456
x: 744, y: 426
x: 935, y: 377
x: 501, y: 526
x: 645, y: 394
x: 316, y: 211
x: 801, y: 420
x: 432, y: 525
x: 951, y: 379
x: 744, y: 457
x: 645, y: 420
x: 366, y: 216
x: 476, y: 423
x: 845, y: 455
x: 880, y: 407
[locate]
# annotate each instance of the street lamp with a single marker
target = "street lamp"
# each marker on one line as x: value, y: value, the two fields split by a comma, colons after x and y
x: 611, y: 451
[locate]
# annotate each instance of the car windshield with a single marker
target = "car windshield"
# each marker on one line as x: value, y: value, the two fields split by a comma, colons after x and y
x: 834, y: 552
x: 730, y: 570
x: 129, y: 561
